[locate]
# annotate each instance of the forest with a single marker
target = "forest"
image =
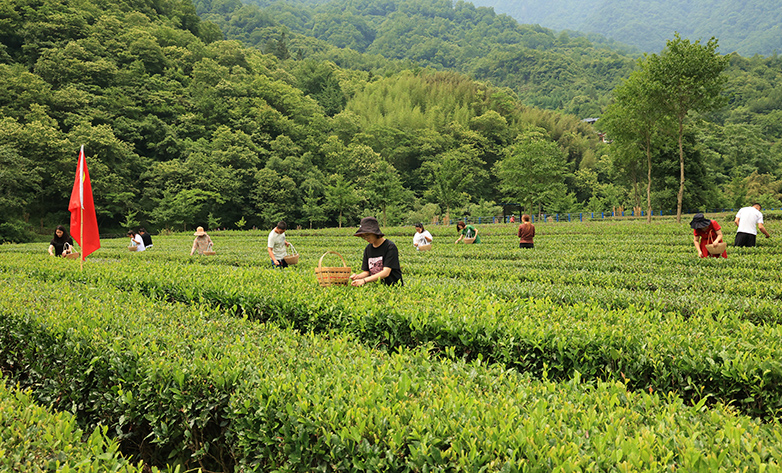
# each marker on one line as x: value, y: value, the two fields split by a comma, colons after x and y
x: 236, y: 116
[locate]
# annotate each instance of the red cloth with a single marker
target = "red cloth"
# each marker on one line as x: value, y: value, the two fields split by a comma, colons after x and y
x: 526, y: 233
x: 81, y: 204
x: 708, y: 235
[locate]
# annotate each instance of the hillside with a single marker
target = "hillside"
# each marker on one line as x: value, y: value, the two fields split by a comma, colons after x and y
x: 544, y: 69
x: 183, y: 128
x: 748, y: 28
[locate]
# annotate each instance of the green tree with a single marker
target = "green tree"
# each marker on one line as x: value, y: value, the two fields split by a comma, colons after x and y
x: 183, y: 207
x: 449, y: 175
x: 690, y: 79
x: 532, y: 171
x: 341, y: 196
x: 632, y: 121
x: 312, y: 209
x: 19, y: 183
x: 385, y: 188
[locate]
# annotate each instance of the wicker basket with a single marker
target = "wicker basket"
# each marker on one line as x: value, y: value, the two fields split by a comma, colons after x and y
x: 716, y: 248
x: 469, y: 241
x: 209, y: 253
x: 426, y: 247
x: 133, y: 248
x: 292, y: 258
x: 332, y: 275
x: 74, y: 255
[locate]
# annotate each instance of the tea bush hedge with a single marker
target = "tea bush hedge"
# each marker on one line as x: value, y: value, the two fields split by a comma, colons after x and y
x: 189, y: 385
x: 32, y: 438
x: 710, y: 351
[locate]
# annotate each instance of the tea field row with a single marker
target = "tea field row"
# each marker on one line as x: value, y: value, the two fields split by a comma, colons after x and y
x: 702, y: 343
x: 196, y: 386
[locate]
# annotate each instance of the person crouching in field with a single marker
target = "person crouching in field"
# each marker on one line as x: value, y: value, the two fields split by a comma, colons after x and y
x: 381, y: 256
x: 136, y: 240
x: 526, y: 232
x: 422, y: 237
x: 201, y: 242
x: 706, y: 232
x: 276, y: 244
x: 61, y: 243
x: 467, y: 231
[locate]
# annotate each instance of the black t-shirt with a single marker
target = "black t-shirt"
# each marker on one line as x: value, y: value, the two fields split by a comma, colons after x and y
x: 384, y: 256
x: 146, y: 238
x: 59, y: 244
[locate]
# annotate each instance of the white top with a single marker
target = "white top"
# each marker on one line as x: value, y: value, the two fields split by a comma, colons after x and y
x: 277, y: 243
x: 420, y: 238
x: 138, y: 242
x: 749, y: 218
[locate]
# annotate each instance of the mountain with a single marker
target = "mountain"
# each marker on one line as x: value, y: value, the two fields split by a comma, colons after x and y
x: 746, y: 27
x: 554, y: 71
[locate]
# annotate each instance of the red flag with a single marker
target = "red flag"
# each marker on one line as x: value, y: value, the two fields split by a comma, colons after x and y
x: 84, y: 223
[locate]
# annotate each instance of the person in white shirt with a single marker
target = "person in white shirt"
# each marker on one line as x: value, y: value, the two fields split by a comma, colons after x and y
x: 422, y: 237
x: 747, y: 219
x: 276, y: 245
x: 137, y: 241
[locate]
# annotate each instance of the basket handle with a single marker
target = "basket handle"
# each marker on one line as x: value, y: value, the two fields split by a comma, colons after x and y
x: 320, y: 261
x: 293, y: 248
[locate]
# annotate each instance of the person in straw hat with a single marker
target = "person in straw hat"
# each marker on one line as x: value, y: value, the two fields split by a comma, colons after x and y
x: 705, y: 232
x: 202, y: 242
x: 381, y: 256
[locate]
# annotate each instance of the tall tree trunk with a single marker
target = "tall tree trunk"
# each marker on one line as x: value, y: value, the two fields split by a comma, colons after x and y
x: 680, y: 197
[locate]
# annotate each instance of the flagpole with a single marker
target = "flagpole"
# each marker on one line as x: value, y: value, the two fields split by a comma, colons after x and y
x: 81, y: 211
x: 81, y: 237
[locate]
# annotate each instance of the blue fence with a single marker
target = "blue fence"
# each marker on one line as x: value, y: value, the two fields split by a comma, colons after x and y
x: 581, y: 216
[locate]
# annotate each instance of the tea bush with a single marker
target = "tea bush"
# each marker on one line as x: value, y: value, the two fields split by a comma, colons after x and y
x: 188, y: 385
x: 551, y: 316
x: 32, y: 438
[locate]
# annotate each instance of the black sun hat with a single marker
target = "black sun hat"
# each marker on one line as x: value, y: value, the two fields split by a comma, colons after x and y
x: 699, y: 221
x: 368, y: 225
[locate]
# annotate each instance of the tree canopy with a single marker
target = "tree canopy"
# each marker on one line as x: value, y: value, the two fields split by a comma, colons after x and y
x: 183, y: 128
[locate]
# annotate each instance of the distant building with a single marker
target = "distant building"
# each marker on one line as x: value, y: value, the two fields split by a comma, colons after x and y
x: 591, y: 121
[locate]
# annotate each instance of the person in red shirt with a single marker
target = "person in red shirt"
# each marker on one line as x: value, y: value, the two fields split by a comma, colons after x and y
x: 526, y: 232
x: 705, y: 232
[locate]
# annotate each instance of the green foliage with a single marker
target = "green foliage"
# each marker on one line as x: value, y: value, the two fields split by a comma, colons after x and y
x: 545, y: 69
x: 450, y: 179
x: 189, y: 377
x: 32, y: 438
x: 168, y: 111
x: 341, y: 196
x: 748, y: 31
x: 130, y: 220
x: 688, y: 77
x: 532, y: 172
x: 385, y: 189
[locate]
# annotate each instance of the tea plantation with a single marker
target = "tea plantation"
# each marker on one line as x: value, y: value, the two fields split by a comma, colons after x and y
x: 608, y: 347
